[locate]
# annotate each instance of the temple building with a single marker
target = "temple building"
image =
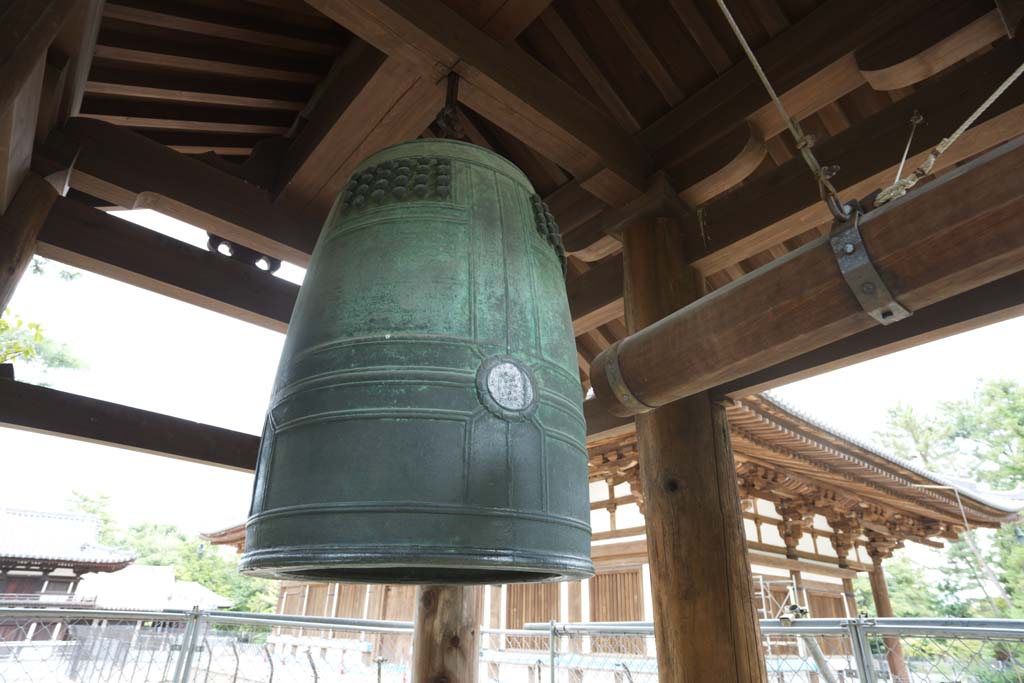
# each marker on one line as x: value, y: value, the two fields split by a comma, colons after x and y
x: 43, y: 556
x: 819, y: 508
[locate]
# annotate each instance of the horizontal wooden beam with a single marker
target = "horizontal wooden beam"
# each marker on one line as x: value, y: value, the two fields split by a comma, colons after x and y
x: 595, y: 297
x: 784, y: 203
x: 985, y: 305
x: 216, y: 29
x: 98, y: 242
x: 58, y: 413
x: 152, y: 94
x: 129, y: 170
x: 151, y: 123
x: 503, y: 84
x: 19, y: 228
x: 957, y: 233
x: 205, y: 67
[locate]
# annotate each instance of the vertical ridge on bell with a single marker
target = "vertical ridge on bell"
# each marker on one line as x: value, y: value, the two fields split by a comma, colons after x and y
x: 424, y: 404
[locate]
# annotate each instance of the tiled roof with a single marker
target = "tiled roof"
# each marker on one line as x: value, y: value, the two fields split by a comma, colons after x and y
x: 62, y: 538
x: 1006, y: 501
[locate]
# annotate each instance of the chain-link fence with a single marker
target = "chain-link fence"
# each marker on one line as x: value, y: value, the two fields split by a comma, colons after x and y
x: 100, y: 646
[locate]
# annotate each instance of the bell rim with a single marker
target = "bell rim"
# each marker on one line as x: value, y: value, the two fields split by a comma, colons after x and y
x: 493, y: 565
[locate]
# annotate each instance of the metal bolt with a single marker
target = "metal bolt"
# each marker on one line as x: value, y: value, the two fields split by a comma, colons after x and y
x: 849, y: 248
x: 868, y: 288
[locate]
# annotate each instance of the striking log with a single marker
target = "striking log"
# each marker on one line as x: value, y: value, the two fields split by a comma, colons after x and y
x: 39, y: 409
x: 19, y: 228
x: 695, y: 538
x: 446, y: 643
x: 93, y: 240
x: 960, y: 232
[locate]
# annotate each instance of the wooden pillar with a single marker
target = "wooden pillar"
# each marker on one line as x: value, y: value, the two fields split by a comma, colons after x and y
x: 850, y: 597
x: 883, y: 607
x: 494, y: 621
x: 446, y: 643
x: 704, y: 620
x: 575, y: 616
x: 19, y: 227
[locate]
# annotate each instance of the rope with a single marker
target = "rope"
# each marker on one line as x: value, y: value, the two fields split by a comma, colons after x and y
x: 900, y: 187
x: 803, y: 141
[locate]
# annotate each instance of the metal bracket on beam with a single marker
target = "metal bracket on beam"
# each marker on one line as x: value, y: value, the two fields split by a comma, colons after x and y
x: 621, y: 390
x: 860, y: 273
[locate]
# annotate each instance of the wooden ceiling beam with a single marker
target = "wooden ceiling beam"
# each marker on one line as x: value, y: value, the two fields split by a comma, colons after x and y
x: 151, y: 94
x: 27, y: 30
x: 149, y: 123
x: 19, y: 230
x: 98, y: 242
x: 58, y: 413
x: 951, y: 30
x: 134, y: 172
x: 957, y: 233
x: 501, y: 83
x: 784, y: 203
x: 207, y: 67
x: 796, y: 56
x: 216, y: 29
x: 370, y: 101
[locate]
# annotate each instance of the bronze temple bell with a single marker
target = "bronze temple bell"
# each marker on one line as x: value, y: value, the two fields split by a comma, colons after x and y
x: 426, y: 424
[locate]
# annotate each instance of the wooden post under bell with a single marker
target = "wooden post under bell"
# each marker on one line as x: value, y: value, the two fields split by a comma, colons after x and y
x: 704, y: 620
x: 446, y: 642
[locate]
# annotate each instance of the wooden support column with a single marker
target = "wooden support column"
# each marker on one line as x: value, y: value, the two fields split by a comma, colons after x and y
x: 794, y: 513
x: 19, y: 228
x: 845, y: 530
x: 704, y: 620
x: 879, y: 548
x: 446, y: 643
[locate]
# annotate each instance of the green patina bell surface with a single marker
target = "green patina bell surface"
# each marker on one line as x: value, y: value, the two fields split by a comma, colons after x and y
x: 427, y: 424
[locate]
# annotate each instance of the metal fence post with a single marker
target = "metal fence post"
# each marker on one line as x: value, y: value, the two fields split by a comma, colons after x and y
x: 861, y: 651
x: 188, y: 647
x: 553, y: 650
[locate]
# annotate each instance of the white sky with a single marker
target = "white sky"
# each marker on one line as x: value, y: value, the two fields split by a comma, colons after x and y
x: 152, y: 352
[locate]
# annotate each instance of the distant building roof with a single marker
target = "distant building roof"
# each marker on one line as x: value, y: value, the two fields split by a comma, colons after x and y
x: 30, y: 538
x: 148, y: 587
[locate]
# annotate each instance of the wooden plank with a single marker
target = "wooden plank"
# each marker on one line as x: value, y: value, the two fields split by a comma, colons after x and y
x: 370, y: 101
x: 594, y: 296
x: 19, y: 227
x: 160, y: 60
x: 151, y: 94
x: 699, y: 568
x: 27, y: 28
x: 503, y: 84
x: 957, y: 233
x: 951, y: 30
x: 784, y: 203
x: 796, y: 55
x: 55, y: 77
x: 77, y: 40
x: 131, y: 171
x: 17, y: 134
x: 98, y: 242
x: 590, y: 70
x: 994, y: 302
x: 58, y: 413
x: 637, y: 44
x: 216, y: 29
x: 702, y: 34
x: 148, y: 123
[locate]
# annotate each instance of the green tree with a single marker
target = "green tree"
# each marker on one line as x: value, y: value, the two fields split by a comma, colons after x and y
x: 911, y: 592
x: 99, y: 505
x: 26, y: 342
x: 193, y: 560
x: 989, y: 427
x: 981, y: 437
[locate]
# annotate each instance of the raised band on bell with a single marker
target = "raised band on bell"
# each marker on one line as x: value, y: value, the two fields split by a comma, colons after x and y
x: 426, y: 424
